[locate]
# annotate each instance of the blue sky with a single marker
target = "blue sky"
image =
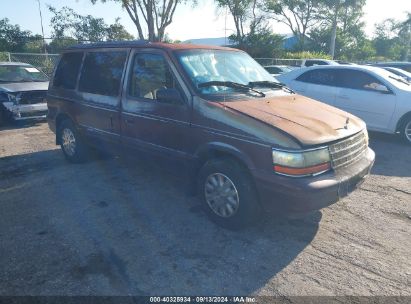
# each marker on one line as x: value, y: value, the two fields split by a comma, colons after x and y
x: 202, y: 21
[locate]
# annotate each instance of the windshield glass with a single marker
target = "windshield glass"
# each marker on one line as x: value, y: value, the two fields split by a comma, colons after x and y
x: 397, y: 81
x: 203, y: 66
x: 21, y: 73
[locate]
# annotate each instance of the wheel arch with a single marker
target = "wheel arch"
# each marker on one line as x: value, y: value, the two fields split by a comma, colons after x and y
x: 221, y: 150
x: 401, y: 121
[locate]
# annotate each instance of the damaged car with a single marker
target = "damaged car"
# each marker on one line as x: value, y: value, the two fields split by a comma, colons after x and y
x: 248, y: 143
x: 23, y: 89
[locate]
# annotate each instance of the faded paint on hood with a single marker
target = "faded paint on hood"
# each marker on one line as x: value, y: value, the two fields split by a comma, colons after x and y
x: 24, y: 86
x: 309, y: 121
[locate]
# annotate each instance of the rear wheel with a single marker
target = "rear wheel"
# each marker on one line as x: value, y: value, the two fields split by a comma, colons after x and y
x: 406, y: 130
x: 228, y: 193
x: 71, y: 142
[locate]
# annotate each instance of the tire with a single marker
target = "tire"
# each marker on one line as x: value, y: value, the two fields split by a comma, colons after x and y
x: 406, y: 130
x: 71, y: 142
x: 3, y: 116
x: 228, y: 194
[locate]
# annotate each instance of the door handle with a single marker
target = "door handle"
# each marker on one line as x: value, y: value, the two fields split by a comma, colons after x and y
x: 343, y: 97
x: 300, y: 91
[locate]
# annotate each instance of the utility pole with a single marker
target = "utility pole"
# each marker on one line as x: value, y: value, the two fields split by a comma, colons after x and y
x: 42, y: 29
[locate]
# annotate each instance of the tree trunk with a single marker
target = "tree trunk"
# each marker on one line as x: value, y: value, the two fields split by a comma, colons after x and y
x: 407, y: 50
x: 334, y: 32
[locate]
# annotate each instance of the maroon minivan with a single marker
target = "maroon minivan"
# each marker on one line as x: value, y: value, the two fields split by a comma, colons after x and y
x: 249, y: 141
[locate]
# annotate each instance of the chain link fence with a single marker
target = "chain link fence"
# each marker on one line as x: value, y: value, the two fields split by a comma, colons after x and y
x: 44, y: 62
x: 279, y: 61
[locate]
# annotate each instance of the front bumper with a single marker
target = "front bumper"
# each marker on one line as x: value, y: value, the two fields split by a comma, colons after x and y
x: 26, y: 111
x: 300, y: 195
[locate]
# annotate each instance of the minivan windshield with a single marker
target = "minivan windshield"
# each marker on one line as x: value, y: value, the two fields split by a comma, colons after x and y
x: 205, y: 66
x: 21, y: 73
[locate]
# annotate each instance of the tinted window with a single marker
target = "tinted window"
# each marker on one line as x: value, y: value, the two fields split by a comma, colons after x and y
x: 356, y: 80
x: 149, y: 74
x: 101, y: 73
x: 309, y: 63
x: 273, y: 70
x: 322, y: 77
x: 67, y: 71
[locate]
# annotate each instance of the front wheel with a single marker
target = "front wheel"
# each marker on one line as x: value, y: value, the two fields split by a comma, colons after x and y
x: 228, y: 193
x: 406, y: 130
x: 71, y: 142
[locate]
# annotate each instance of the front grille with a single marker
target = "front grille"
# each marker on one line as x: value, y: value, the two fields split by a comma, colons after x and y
x: 32, y: 97
x: 33, y: 114
x: 348, y: 151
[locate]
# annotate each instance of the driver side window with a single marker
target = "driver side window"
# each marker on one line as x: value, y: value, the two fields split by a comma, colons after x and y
x: 358, y: 80
x: 149, y: 74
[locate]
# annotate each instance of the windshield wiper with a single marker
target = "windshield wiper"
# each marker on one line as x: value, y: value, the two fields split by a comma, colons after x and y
x: 402, y: 80
x: 270, y: 84
x: 230, y: 84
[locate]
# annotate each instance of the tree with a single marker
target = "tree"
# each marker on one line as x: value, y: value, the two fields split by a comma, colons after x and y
x: 299, y: 15
x: 12, y: 37
x: 116, y: 31
x: 404, y: 32
x: 247, y: 17
x: 58, y: 44
x: 340, y: 11
x: 67, y: 23
x: 153, y: 15
x: 385, y: 41
x: 34, y: 44
x: 260, y: 43
x: 392, y: 39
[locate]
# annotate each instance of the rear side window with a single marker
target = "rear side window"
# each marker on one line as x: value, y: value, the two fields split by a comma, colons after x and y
x: 67, y: 71
x: 321, y: 77
x: 101, y: 73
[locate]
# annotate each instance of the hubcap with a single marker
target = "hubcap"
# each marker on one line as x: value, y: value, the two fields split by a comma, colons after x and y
x: 408, y: 131
x: 221, y: 195
x: 69, y: 142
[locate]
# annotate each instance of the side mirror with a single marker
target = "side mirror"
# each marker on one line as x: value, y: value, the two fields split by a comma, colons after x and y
x: 171, y: 96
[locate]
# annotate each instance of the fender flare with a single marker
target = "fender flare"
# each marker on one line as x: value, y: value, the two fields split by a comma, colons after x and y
x: 211, y: 148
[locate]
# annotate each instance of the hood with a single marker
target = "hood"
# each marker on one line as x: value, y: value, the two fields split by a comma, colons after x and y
x: 310, y: 122
x: 24, y: 86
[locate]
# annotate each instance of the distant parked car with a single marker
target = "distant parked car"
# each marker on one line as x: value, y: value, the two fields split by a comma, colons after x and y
x: 380, y: 98
x: 400, y: 65
x: 276, y: 70
x: 23, y: 89
x: 399, y: 72
x: 313, y: 62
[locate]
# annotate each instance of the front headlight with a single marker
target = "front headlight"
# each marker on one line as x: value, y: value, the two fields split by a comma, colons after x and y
x: 14, y: 98
x: 301, y: 163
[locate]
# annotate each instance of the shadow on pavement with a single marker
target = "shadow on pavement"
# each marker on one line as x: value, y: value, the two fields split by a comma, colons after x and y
x: 113, y: 228
x: 11, y: 125
x: 393, y: 157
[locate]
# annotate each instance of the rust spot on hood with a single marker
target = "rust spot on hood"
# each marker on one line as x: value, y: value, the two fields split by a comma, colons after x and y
x: 310, y: 122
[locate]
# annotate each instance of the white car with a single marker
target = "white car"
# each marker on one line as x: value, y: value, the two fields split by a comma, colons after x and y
x: 315, y: 62
x: 276, y: 70
x: 381, y: 98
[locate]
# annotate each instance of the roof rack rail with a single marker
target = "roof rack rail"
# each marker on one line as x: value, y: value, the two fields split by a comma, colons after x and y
x: 109, y: 44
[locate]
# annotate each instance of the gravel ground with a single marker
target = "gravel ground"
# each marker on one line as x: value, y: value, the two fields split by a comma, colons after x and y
x: 110, y: 228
